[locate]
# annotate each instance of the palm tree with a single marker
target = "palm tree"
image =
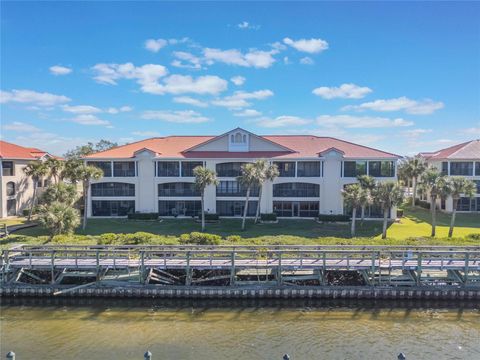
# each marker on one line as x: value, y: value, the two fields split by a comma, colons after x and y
x: 249, y: 179
x: 86, y: 174
x: 58, y: 218
x: 459, y: 186
x: 354, y: 196
x: 367, y: 183
x: 416, y: 166
x: 204, y: 177
x: 265, y: 172
x: 436, y: 186
x: 71, y: 170
x: 55, y: 167
x: 36, y: 170
x: 387, y: 194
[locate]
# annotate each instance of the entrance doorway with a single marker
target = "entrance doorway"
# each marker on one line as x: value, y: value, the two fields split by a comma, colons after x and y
x: 11, y: 207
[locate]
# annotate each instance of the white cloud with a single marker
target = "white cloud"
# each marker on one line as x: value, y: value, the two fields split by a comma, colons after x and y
x: 245, y: 25
x: 239, y: 98
x: 344, y: 91
x: 88, y: 119
x: 179, y: 84
x: 307, y: 60
x: 248, y: 113
x: 473, y: 131
x: 20, y: 127
x: 60, y: 70
x: 311, y: 46
x: 416, y: 107
x: 146, y: 133
x: 193, y: 62
x: 32, y: 97
x: 282, y: 121
x: 182, y: 117
x: 190, y: 101
x: 238, y: 80
x: 154, y: 45
x: 415, y: 133
x: 145, y: 75
x: 113, y: 110
x: 81, y: 109
x: 253, y: 58
x: 349, y: 121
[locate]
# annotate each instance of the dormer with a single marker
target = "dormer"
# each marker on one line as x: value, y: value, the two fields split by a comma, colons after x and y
x: 238, y: 141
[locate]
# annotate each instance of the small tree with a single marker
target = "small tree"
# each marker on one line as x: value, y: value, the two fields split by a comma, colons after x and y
x: 387, y: 194
x: 55, y: 167
x: 203, y: 178
x: 265, y: 172
x: 86, y: 174
x: 36, y: 170
x: 248, y: 178
x: 367, y: 183
x: 435, y: 186
x: 59, y: 218
x: 354, y: 196
x: 416, y: 166
x: 72, y: 170
x: 459, y: 186
x: 61, y: 192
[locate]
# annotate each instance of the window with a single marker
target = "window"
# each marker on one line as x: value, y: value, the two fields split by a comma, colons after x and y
x: 188, y: 166
x: 286, y: 168
x: 296, y: 190
x: 7, y: 168
x: 112, y: 207
x: 235, y: 208
x: 477, y: 182
x: 124, y: 168
x: 372, y: 211
x: 445, y: 168
x: 178, y: 189
x: 381, y: 168
x: 477, y: 168
x: 467, y: 204
x: 308, y: 168
x: 296, y: 208
x: 11, y: 207
x: 461, y: 168
x: 10, y: 188
x: 179, y: 208
x: 113, y: 189
x: 354, y: 168
x: 232, y: 169
x: 238, y: 138
x: 234, y: 188
x: 105, y: 166
x: 168, y: 169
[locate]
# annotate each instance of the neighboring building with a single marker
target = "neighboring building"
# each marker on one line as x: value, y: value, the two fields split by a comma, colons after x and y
x: 16, y: 189
x: 156, y: 175
x: 459, y: 160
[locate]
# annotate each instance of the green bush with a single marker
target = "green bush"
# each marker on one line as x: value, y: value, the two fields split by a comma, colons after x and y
x: 234, y: 238
x: 143, y: 216
x: 26, y: 212
x: 268, y: 217
x: 138, y: 238
x: 333, y: 218
x: 474, y: 236
x: 422, y: 203
x: 399, y: 213
x: 184, y: 239
x: 63, y: 239
x: 107, y: 239
x: 199, y: 238
x: 210, y: 216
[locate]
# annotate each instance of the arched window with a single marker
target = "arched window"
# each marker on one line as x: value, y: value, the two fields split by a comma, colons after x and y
x: 238, y: 138
x: 10, y: 188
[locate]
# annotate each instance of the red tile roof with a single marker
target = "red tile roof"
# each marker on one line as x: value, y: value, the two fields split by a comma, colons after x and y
x: 468, y: 150
x: 303, y: 146
x: 13, y: 151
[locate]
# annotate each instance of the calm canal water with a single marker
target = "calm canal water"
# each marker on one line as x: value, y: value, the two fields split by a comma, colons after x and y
x: 93, y: 329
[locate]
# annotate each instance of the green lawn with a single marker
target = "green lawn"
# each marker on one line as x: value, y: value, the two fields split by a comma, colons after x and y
x: 13, y: 221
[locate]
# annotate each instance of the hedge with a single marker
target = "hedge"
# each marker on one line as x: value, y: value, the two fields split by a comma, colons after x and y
x: 143, y: 216
x: 422, y: 203
x: 209, y: 216
x: 333, y: 218
x: 268, y: 217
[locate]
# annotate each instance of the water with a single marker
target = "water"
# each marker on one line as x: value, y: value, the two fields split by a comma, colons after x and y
x: 113, y: 329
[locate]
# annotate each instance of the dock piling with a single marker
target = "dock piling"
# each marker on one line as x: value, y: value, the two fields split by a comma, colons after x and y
x: 401, y: 356
x: 10, y: 355
x: 147, y: 355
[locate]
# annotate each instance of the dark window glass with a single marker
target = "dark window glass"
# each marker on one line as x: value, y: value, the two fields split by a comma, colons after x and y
x: 461, y: 168
x: 179, y: 208
x: 466, y: 204
x: 124, y: 168
x: 477, y: 182
x: 235, y: 208
x: 10, y: 188
x: 234, y: 188
x: 285, y: 168
x: 232, y: 169
x: 445, y: 168
x: 296, y: 208
x: 381, y: 168
x: 7, y: 168
x: 113, y: 189
x: 374, y: 168
x: 296, y: 190
x: 354, y: 168
x: 168, y: 169
x: 188, y: 166
x: 105, y: 166
x: 308, y: 168
x: 112, y: 207
x: 372, y: 211
x: 178, y: 189
x: 11, y: 207
x: 477, y: 168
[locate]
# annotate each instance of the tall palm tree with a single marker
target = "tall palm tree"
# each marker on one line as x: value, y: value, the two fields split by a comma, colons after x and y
x: 367, y: 183
x: 86, y: 174
x: 387, y: 194
x: 203, y: 178
x: 36, y: 170
x: 265, y: 172
x: 459, y: 186
x: 71, y: 170
x: 354, y: 196
x: 249, y: 179
x: 55, y: 167
x: 435, y: 185
x: 416, y: 166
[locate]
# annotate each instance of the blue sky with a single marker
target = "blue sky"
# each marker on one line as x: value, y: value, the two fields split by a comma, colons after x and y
x: 403, y: 77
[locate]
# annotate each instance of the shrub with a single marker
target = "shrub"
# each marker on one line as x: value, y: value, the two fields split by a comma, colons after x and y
x: 138, y: 238
x: 234, y: 238
x: 474, y: 236
x: 63, y: 239
x: 107, y: 239
x: 184, y: 238
x: 333, y: 218
x: 210, y: 216
x: 143, y: 216
x: 422, y: 203
x: 201, y: 238
x: 268, y: 217
x: 399, y: 213
x: 26, y: 212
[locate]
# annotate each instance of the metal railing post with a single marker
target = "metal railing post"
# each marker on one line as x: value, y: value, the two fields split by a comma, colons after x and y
x: 232, y: 269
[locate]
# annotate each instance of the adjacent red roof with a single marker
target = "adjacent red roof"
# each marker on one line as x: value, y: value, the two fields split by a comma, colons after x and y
x: 469, y: 150
x: 13, y: 151
x: 303, y: 146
